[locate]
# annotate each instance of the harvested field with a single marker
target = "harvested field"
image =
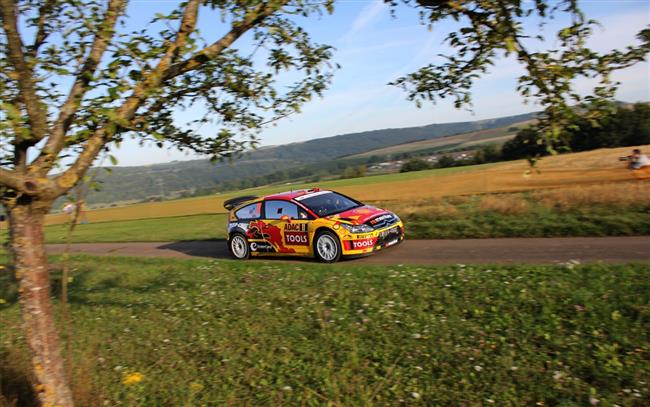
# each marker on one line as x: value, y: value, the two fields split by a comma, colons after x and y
x: 587, y: 169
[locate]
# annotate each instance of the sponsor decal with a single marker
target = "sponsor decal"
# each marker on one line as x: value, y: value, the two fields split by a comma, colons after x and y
x: 392, y: 242
x: 296, y: 238
x: 295, y: 234
x: 295, y: 227
x: 259, y: 230
x: 380, y: 219
x: 261, y: 247
x: 360, y: 244
x: 300, y: 198
x: 390, y: 232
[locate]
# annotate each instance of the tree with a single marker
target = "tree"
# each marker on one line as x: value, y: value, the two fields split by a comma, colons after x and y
x: 489, y: 153
x: 446, y: 161
x: 414, y: 164
x: 129, y: 85
x: 628, y: 126
x: 72, y: 87
x: 526, y: 144
x: 353, y: 171
x: 491, y: 29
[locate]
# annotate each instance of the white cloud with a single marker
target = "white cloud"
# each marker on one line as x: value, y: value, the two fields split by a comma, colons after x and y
x: 367, y: 17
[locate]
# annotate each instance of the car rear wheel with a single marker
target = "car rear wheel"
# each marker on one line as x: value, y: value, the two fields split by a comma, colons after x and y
x: 238, y: 246
x: 327, y: 247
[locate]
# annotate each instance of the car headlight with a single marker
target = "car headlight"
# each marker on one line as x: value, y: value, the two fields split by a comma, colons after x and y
x: 357, y: 228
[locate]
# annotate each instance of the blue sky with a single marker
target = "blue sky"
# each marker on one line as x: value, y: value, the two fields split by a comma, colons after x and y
x: 374, y: 48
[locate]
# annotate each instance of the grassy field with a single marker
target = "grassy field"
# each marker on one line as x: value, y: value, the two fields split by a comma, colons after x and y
x: 617, y: 209
x: 150, y: 332
x: 214, y: 203
x: 195, y: 227
x: 588, y: 168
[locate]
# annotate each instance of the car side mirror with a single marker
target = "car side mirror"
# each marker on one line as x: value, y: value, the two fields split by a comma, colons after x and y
x: 285, y: 218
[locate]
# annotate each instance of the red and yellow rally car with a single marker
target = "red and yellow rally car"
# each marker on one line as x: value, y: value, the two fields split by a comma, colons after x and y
x: 310, y: 222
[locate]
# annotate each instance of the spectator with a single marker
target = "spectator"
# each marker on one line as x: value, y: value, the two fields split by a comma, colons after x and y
x: 638, y: 160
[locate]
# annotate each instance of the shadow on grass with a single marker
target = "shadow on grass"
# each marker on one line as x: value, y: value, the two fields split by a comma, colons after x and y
x: 15, y: 386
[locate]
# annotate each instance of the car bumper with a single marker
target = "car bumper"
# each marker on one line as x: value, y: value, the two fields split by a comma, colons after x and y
x: 366, y: 243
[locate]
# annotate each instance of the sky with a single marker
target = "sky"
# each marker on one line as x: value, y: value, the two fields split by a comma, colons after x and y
x: 374, y: 48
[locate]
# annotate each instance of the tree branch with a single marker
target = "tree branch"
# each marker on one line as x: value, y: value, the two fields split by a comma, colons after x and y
x: 56, y: 140
x: 37, y: 115
x: 126, y: 112
x: 25, y: 184
x: 41, y: 32
x: 238, y: 29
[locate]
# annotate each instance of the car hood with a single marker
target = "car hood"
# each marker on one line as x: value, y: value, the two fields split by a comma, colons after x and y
x: 360, y: 215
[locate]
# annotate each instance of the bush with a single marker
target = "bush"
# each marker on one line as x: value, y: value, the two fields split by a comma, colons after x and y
x: 354, y: 172
x: 414, y: 164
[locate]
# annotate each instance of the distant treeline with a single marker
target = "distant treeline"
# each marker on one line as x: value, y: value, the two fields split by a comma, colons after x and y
x: 629, y: 126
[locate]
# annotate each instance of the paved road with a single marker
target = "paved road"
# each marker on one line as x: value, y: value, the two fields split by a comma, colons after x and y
x: 465, y: 251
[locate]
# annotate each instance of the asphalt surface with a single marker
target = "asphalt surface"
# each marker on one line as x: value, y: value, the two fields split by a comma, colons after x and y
x: 466, y: 251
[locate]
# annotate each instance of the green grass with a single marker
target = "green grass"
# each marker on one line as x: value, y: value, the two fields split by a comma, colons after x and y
x: 469, y: 222
x: 196, y: 227
x: 448, y: 220
x: 268, y: 333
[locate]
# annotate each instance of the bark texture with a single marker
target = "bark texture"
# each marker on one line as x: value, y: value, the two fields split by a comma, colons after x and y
x: 38, y: 320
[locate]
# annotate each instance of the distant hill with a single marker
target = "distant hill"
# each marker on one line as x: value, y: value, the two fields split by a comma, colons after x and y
x: 170, y: 179
x: 356, y: 143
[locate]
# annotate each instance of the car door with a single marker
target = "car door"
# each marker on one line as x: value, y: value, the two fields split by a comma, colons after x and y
x: 287, y: 226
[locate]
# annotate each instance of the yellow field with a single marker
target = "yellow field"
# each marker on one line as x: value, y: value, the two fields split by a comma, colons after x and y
x: 580, y: 169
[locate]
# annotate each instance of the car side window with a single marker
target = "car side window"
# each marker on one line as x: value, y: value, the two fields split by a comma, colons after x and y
x: 252, y: 211
x: 278, y: 209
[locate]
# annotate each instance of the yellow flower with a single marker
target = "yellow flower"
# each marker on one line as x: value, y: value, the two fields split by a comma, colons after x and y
x: 196, y: 387
x: 132, y: 378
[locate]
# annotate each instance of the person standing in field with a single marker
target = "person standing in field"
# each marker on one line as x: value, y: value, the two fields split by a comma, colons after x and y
x: 638, y: 160
x: 76, y: 211
x: 68, y: 208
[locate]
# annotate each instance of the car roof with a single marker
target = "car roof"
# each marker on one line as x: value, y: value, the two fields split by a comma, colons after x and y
x: 290, y: 195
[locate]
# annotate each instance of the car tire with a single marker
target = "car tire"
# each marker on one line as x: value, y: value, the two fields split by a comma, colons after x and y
x: 238, y: 246
x: 327, y: 247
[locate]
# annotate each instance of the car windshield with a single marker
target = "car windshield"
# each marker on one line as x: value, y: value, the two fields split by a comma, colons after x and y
x: 328, y: 203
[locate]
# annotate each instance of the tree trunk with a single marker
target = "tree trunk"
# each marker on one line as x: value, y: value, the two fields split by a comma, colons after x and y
x: 26, y: 223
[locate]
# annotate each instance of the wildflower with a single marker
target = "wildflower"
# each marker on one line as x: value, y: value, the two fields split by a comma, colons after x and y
x: 416, y: 336
x: 415, y: 395
x: 132, y: 378
x: 593, y: 401
x: 478, y: 368
x: 287, y: 388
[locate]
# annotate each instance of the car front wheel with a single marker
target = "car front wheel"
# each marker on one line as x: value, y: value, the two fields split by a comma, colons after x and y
x: 238, y: 246
x: 327, y: 247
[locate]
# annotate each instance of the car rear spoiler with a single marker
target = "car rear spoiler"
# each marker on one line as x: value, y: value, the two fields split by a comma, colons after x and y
x: 231, y: 203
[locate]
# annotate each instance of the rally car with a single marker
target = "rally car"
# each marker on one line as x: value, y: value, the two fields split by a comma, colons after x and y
x: 312, y: 223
